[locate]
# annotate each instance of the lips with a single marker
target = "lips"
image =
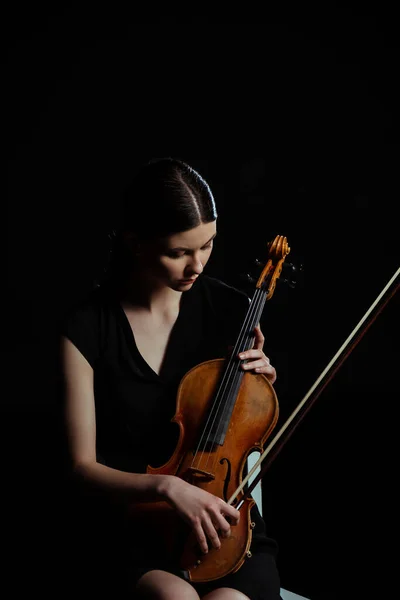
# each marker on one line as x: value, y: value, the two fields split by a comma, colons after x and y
x: 188, y: 280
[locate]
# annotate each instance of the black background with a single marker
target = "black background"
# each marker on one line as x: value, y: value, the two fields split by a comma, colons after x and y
x: 292, y: 117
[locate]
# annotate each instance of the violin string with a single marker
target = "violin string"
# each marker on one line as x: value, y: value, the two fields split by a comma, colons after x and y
x: 233, y: 370
x: 227, y: 374
x: 232, y: 373
x: 220, y: 394
x: 216, y: 406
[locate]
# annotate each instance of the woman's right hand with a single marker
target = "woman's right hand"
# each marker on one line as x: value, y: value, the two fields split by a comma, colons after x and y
x: 209, y: 516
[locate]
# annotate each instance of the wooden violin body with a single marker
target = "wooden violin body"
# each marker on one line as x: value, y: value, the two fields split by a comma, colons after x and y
x: 217, y: 469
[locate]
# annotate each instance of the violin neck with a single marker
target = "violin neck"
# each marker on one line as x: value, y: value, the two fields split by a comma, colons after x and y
x: 246, y: 335
x: 225, y: 398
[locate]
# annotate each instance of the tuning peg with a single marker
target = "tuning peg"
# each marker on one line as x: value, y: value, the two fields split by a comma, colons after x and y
x: 247, y: 278
x: 258, y: 263
x: 293, y: 268
x: 292, y: 271
x: 291, y: 283
x: 287, y: 266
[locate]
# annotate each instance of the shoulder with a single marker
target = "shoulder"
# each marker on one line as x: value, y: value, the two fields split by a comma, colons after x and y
x: 85, y: 314
x: 83, y: 323
x: 86, y: 306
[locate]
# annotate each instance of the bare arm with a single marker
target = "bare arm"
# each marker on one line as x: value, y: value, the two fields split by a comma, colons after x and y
x: 203, y: 511
x: 81, y: 435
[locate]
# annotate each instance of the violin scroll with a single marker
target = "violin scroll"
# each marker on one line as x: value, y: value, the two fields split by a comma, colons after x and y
x: 278, y: 249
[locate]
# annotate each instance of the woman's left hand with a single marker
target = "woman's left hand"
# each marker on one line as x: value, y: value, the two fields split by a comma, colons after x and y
x: 257, y: 360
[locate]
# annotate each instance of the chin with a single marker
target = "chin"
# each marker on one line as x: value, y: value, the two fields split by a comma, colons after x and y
x: 181, y: 284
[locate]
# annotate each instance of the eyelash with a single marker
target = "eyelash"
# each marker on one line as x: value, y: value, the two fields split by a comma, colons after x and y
x: 171, y: 255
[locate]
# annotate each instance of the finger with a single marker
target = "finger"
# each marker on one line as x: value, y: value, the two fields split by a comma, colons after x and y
x: 259, y: 365
x: 225, y: 515
x: 232, y: 514
x: 253, y: 354
x: 212, y: 533
x: 259, y: 339
x: 222, y: 525
x: 269, y: 372
x: 201, y: 537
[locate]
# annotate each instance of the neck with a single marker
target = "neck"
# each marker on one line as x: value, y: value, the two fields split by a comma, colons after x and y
x: 154, y: 299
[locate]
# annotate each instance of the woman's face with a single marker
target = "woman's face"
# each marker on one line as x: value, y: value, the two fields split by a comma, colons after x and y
x: 177, y: 260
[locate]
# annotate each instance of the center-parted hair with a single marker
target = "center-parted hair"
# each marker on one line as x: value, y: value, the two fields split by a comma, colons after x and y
x: 165, y: 196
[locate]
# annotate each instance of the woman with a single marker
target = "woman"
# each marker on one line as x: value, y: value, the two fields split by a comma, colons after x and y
x: 124, y: 350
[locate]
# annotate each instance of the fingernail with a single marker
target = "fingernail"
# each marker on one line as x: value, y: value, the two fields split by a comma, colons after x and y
x: 241, y: 355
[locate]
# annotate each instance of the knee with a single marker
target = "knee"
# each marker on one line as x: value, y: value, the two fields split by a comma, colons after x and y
x: 225, y: 594
x: 160, y: 585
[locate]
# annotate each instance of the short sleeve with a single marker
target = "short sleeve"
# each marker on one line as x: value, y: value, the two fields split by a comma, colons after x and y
x: 81, y: 326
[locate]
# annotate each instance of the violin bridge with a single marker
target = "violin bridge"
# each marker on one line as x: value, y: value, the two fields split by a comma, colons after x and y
x: 200, y: 474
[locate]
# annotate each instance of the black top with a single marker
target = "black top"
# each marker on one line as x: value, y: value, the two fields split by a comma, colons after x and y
x: 134, y: 405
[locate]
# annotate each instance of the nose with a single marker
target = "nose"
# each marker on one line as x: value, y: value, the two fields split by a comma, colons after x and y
x: 195, y: 266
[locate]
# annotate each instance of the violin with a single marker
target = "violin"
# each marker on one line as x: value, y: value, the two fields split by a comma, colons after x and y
x: 223, y: 414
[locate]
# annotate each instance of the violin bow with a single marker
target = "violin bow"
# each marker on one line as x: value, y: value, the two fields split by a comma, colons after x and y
x: 315, y: 390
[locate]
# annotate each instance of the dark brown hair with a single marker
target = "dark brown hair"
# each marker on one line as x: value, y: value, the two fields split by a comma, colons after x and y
x: 165, y: 196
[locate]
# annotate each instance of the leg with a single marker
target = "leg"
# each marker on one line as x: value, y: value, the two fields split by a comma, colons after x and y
x: 225, y: 594
x: 257, y: 578
x: 161, y: 585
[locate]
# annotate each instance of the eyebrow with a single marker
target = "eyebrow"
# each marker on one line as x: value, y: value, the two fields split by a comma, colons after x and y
x: 185, y: 248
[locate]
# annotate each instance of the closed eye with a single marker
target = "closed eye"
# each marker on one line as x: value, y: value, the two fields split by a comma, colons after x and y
x: 180, y: 253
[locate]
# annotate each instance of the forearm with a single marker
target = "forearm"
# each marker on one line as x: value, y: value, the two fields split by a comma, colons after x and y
x: 135, y: 487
